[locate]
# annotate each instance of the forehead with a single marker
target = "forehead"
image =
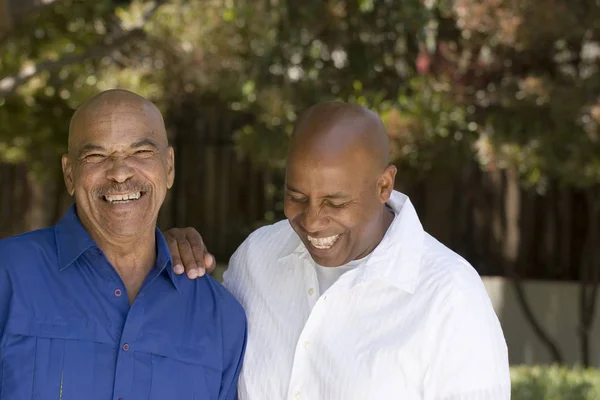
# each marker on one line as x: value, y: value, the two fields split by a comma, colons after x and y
x: 117, y: 124
x: 321, y: 174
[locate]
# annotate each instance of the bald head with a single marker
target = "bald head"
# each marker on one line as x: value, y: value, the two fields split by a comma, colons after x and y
x: 110, y: 106
x: 332, y: 128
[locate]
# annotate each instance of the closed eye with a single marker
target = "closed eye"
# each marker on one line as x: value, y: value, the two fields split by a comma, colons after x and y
x: 94, y: 157
x: 296, y: 199
x: 341, y: 205
x: 144, y: 153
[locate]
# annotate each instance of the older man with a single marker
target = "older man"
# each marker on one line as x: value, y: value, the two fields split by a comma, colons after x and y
x: 90, y: 308
x: 349, y: 298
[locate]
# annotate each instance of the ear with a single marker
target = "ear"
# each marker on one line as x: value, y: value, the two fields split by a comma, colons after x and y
x: 385, y: 184
x: 170, y: 167
x: 67, y: 168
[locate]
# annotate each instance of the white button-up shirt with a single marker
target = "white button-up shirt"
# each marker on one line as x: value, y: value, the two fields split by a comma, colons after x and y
x: 414, y: 322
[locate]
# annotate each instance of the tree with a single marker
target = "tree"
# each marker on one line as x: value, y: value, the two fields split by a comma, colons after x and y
x: 503, y: 91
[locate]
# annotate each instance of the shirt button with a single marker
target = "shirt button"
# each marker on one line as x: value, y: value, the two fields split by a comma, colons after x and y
x: 118, y: 292
x: 297, y: 395
x: 306, y: 345
x: 311, y: 291
x: 125, y: 347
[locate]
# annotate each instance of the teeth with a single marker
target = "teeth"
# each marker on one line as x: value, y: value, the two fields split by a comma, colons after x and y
x: 323, y: 243
x: 122, y: 198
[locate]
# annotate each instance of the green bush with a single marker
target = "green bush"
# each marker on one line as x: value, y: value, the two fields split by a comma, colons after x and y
x: 554, y: 383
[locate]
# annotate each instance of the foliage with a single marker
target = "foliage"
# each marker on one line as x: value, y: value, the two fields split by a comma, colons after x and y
x: 508, y: 83
x: 34, y: 118
x: 554, y: 383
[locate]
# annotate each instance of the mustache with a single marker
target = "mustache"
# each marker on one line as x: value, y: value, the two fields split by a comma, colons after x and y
x: 118, y: 188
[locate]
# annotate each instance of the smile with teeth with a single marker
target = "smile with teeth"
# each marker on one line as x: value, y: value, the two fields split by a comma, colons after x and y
x: 122, y: 198
x: 323, y: 243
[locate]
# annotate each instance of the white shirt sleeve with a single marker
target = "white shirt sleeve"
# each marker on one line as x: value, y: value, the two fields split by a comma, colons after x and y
x: 470, y: 360
x: 237, y: 268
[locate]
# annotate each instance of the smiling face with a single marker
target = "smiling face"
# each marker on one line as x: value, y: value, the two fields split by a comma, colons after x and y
x: 335, y: 191
x: 119, y: 165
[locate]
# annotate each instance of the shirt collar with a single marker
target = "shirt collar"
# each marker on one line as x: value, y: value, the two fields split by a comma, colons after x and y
x: 72, y: 240
x: 164, y: 260
x: 397, y: 258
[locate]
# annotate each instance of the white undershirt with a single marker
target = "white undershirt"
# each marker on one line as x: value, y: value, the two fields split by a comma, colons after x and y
x: 327, y: 276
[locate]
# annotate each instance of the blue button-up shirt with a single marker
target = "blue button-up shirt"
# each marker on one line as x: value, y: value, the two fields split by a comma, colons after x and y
x: 67, y: 331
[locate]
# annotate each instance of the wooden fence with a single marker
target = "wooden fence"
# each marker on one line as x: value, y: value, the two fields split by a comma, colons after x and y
x: 483, y: 215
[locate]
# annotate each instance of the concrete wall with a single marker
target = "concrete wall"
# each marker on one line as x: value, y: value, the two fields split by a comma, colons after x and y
x: 556, y: 306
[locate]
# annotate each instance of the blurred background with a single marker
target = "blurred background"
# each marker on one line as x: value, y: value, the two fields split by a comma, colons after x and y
x: 493, y: 108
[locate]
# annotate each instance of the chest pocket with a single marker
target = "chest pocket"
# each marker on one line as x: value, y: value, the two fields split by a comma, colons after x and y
x: 181, y: 371
x: 43, y: 360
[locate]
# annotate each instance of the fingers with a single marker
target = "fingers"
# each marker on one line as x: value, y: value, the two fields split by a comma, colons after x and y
x: 199, y: 259
x: 188, y: 252
x: 171, y: 237
x: 209, y: 262
x: 195, y: 250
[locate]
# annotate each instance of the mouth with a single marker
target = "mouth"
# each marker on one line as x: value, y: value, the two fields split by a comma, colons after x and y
x: 122, y: 198
x: 323, y: 243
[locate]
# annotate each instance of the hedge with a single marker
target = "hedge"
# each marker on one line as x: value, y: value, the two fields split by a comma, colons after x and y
x: 554, y: 383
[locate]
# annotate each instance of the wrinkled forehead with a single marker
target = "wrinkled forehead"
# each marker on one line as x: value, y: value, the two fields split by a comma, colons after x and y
x: 116, y: 122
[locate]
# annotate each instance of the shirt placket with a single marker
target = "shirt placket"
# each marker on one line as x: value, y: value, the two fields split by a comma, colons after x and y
x: 300, y: 382
x: 311, y: 283
x: 125, y: 370
x: 115, y: 289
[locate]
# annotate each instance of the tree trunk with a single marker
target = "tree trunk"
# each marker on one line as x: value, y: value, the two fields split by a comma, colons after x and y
x: 512, y: 208
x: 5, y: 19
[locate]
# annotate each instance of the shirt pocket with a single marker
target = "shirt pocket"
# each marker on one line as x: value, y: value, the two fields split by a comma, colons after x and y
x: 43, y: 360
x: 183, y: 372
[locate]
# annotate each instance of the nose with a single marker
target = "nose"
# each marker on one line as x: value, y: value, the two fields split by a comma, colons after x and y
x: 314, y: 219
x: 119, y: 170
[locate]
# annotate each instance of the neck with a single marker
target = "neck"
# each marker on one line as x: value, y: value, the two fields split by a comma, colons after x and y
x: 132, y: 259
x: 384, y: 221
x: 131, y: 256
x: 387, y: 217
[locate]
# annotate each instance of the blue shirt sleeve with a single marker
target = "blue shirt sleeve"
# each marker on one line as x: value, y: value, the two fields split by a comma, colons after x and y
x: 5, y: 296
x: 235, y: 339
x: 5, y: 292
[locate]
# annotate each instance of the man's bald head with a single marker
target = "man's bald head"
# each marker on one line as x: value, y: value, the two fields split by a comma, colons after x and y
x: 331, y: 128
x: 112, y: 103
